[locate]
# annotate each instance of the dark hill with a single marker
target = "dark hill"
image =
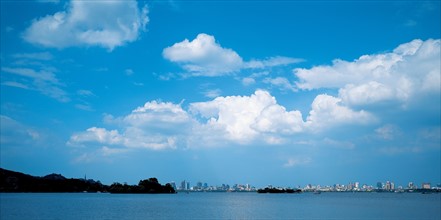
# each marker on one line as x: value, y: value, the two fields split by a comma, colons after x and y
x: 11, y: 181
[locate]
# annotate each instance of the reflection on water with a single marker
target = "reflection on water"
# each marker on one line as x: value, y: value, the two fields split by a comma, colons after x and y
x: 221, y: 206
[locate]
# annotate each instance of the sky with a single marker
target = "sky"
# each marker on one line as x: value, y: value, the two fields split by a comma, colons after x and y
x: 286, y: 93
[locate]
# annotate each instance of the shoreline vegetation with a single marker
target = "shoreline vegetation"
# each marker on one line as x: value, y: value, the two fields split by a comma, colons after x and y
x: 11, y: 181
x: 278, y: 190
x: 16, y: 182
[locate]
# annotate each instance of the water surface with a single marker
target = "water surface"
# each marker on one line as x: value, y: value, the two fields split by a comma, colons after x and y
x: 220, y: 206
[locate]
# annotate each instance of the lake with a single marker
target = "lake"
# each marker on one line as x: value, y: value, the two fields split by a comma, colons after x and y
x: 220, y: 206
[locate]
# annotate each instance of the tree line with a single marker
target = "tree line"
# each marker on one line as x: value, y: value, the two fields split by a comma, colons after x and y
x: 11, y: 181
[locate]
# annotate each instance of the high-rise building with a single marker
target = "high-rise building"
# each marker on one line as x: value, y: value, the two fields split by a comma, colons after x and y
x: 388, y: 186
x: 183, y: 185
x: 188, y: 186
x: 425, y: 186
x: 379, y: 185
x: 199, y: 185
x: 173, y: 184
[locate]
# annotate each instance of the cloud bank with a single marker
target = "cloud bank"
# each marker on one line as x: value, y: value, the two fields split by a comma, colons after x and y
x: 408, y: 72
x: 223, y: 121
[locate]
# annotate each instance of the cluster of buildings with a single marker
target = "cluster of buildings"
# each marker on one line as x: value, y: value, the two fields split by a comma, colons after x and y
x: 387, y: 186
x: 203, y: 187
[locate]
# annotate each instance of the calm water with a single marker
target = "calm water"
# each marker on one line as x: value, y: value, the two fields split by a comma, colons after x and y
x: 221, y: 206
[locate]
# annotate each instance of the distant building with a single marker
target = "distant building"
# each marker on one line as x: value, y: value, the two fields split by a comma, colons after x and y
x: 411, y: 185
x: 425, y: 186
x: 173, y: 184
x: 357, y: 185
x: 379, y: 185
x: 389, y: 186
x: 183, y: 185
x: 199, y: 185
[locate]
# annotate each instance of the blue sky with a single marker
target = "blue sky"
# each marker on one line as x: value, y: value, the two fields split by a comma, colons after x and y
x: 261, y: 92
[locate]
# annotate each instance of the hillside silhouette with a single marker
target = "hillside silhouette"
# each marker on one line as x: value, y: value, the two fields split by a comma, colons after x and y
x: 11, y: 181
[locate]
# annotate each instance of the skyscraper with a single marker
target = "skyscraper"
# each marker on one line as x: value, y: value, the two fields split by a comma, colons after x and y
x: 379, y: 185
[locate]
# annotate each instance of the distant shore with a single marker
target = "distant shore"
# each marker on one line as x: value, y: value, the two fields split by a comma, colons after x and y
x: 11, y: 181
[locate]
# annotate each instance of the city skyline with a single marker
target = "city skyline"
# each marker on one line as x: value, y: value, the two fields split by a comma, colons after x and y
x: 259, y: 92
x: 355, y: 185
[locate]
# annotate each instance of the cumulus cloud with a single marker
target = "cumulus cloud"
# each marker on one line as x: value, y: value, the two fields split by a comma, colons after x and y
x: 328, y: 111
x: 241, y: 120
x: 156, y: 125
x: 157, y: 115
x: 203, y: 56
x: 107, y: 24
x: 410, y: 70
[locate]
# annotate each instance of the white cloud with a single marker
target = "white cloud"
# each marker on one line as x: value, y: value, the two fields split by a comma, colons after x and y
x: 14, y: 133
x: 338, y: 144
x: 107, y: 24
x: 43, y: 81
x: 213, y: 93
x: 248, y: 81
x: 411, y: 70
x: 84, y: 107
x: 282, y: 83
x: 244, y: 118
x: 35, y: 56
x: 156, y: 125
x: 387, y: 132
x: 297, y: 161
x: 42, y: 75
x: 275, y: 119
x: 203, y: 56
x: 328, y: 111
x: 271, y: 62
x: 157, y: 114
x: 49, y: 1
x: 107, y: 151
x: 399, y: 150
x: 241, y: 120
x: 100, y: 135
x: 368, y: 93
x: 128, y: 72
x: 85, y: 93
x: 15, y: 84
